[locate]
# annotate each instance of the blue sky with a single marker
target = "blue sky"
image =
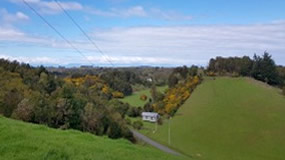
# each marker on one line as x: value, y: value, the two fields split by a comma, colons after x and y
x: 136, y: 32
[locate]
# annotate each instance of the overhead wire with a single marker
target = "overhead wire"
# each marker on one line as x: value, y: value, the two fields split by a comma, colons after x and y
x: 58, y: 32
x: 84, y: 33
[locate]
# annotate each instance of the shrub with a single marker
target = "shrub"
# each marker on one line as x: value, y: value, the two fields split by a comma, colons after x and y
x: 235, y: 74
x: 143, y: 97
x: 24, y: 111
x: 128, y: 121
x: 148, y: 107
x: 138, y: 124
x: 160, y: 121
x: 117, y: 94
x: 134, y: 112
x: 211, y: 74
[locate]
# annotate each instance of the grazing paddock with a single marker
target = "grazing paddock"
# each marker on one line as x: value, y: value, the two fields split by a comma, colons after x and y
x: 19, y: 140
x: 134, y: 99
x: 228, y: 118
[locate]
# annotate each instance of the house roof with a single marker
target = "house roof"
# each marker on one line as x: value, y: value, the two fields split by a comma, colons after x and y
x: 151, y: 114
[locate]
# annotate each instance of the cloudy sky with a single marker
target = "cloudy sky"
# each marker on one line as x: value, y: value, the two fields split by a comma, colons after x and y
x: 140, y: 32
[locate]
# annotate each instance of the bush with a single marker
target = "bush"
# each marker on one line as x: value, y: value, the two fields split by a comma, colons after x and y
x: 24, y: 111
x: 117, y: 94
x: 211, y: 74
x: 134, y: 112
x: 128, y: 121
x: 143, y: 97
x: 160, y: 121
x: 148, y: 107
x: 138, y: 124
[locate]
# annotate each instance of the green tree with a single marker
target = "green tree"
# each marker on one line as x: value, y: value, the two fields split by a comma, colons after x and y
x: 24, y: 111
x: 138, y: 124
x: 172, y: 80
x: 264, y: 69
x: 11, y: 101
x: 92, y: 119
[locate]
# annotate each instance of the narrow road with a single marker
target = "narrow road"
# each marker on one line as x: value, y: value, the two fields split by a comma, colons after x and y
x: 153, y: 143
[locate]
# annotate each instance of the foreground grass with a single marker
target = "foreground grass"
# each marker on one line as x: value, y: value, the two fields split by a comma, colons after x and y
x: 134, y: 99
x: 228, y: 119
x: 24, y: 141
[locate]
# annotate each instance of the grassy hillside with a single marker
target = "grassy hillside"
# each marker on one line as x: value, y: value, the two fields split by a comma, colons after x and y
x: 24, y: 141
x: 134, y: 99
x: 228, y: 119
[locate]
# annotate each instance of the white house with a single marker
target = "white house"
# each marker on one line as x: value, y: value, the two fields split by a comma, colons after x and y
x: 150, y: 116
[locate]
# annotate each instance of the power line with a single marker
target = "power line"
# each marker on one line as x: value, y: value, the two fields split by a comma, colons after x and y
x: 85, y: 34
x: 61, y: 35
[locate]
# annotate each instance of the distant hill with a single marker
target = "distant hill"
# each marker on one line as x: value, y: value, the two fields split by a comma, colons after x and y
x: 228, y: 119
x: 19, y: 140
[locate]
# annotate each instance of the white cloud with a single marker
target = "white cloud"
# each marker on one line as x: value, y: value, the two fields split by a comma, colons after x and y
x: 22, y: 16
x: 10, y: 34
x: 131, y: 60
x: 9, y: 18
x: 31, y: 60
x: 140, y: 11
x: 135, y: 11
x: 180, y: 45
x: 168, y: 15
x: 50, y: 7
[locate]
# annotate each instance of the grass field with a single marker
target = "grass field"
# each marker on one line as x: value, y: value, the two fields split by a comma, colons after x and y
x: 228, y: 119
x: 24, y: 141
x: 134, y: 99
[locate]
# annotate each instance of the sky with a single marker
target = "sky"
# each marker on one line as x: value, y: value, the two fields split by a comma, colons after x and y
x: 140, y: 32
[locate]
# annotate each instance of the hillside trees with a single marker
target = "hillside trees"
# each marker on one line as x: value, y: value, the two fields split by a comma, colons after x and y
x: 221, y: 65
x: 82, y: 103
x: 121, y: 81
x: 262, y: 68
x: 182, y: 82
x: 281, y: 73
x: 176, y: 96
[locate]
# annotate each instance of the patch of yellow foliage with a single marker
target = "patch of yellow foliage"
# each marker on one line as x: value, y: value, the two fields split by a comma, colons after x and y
x: 91, y: 82
x: 176, y: 96
x: 117, y: 94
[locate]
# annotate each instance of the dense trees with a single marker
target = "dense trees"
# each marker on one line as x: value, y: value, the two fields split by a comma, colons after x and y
x: 182, y: 82
x: 181, y: 73
x: 222, y: 66
x: 83, y: 103
x: 262, y: 68
x: 138, y: 124
x: 176, y: 96
x: 120, y: 81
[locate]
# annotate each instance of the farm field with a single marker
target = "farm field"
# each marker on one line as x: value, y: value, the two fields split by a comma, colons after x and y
x: 134, y: 99
x: 19, y: 140
x: 228, y: 118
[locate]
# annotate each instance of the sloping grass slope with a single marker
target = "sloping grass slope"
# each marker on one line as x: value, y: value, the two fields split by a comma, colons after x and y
x: 229, y: 119
x: 134, y: 99
x: 24, y: 141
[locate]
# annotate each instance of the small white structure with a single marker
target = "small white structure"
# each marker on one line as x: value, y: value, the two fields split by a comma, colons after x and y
x: 150, y: 116
x: 149, y: 79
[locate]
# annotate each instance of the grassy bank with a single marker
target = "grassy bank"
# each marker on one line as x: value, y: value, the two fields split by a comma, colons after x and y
x: 228, y: 118
x: 134, y: 99
x: 24, y: 141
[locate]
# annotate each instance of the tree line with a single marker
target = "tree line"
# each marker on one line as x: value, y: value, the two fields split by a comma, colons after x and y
x: 262, y: 68
x: 37, y: 96
x: 181, y: 82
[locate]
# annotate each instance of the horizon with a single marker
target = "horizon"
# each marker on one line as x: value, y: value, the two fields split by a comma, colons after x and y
x: 141, y: 33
